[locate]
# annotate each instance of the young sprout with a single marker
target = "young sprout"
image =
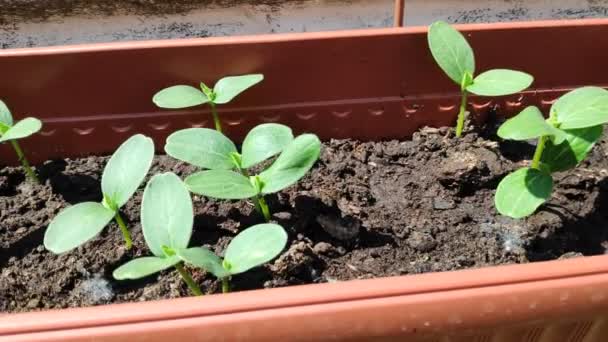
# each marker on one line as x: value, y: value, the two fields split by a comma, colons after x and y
x: 455, y: 57
x: 12, y: 132
x: 564, y: 140
x: 252, y: 247
x: 228, y: 177
x: 167, y: 218
x: 123, y: 174
x: 184, y: 96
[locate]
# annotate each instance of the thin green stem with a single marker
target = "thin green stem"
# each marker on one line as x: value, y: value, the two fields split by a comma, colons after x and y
x: 263, y: 207
x: 225, y: 285
x: 538, y: 153
x: 216, y: 117
x: 124, y: 230
x: 26, y: 165
x: 461, y: 114
x: 188, y: 280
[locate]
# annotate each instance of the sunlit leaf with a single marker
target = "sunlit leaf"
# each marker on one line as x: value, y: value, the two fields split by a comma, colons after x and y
x: 179, y: 96
x: 568, y: 154
x: 294, y: 162
x: 22, y: 129
x: 520, y: 193
x: 203, y: 147
x: 127, y: 168
x: 254, y: 246
x: 166, y: 213
x: 499, y: 82
x: 145, y: 266
x: 229, y: 87
x: 263, y: 142
x: 582, y: 107
x: 451, y: 51
x: 221, y: 184
x: 76, y: 225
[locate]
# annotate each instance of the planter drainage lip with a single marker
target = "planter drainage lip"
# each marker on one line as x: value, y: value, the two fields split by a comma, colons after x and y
x: 403, y: 91
x: 296, y: 36
x: 542, y: 279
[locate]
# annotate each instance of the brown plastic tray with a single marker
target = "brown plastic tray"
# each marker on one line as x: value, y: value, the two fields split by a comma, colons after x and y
x: 368, y: 84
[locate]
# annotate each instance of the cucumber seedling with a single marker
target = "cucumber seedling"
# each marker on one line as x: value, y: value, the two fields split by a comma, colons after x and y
x: 167, y: 219
x: 564, y: 140
x: 227, y: 176
x: 12, y: 132
x: 121, y: 177
x: 455, y: 57
x: 184, y: 96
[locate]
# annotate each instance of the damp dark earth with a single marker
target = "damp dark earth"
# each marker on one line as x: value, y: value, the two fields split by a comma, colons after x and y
x: 366, y: 210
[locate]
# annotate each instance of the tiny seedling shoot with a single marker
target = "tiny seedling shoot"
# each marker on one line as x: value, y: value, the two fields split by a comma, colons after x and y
x: 167, y: 219
x: 226, y: 89
x: 121, y: 177
x: 227, y: 176
x: 455, y: 57
x: 13, y: 132
x: 564, y: 140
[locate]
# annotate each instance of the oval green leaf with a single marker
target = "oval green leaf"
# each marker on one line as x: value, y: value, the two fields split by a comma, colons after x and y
x: 255, y: 246
x: 499, y: 82
x: 229, y: 87
x: 528, y: 124
x: 203, y: 147
x: 263, y: 142
x: 22, y: 129
x: 568, y: 154
x: 221, y: 184
x: 293, y: 163
x: 582, y: 107
x: 127, y: 168
x: 451, y: 51
x: 179, y: 96
x: 520, y: 193
x: 76, y: 225
x: 166, y: 213
x: 205, y: 259
x: 5, y: 114
x: 142, y: 267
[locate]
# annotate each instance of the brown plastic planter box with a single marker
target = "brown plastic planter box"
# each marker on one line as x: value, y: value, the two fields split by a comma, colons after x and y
x: 371, y: 84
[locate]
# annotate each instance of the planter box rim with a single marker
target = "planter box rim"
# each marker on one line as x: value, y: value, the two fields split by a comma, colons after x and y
x: 279, y: 37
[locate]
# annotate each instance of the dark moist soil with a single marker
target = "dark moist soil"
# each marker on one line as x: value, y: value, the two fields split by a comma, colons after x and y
x: 366, y: 210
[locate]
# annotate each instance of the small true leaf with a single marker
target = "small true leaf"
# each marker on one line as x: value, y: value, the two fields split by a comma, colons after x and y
x: 166, y: 213
x: 221, y: 184
x: 582, y: 107
x: 127, y: 168
x: 499, y: 82
x: 76, y: 225
x: 204, y: 258
x: 179, y: 96
x: 263, y: 142
x: 255, y: 246
x: 22, y: 129
x: 229, y: 87
x: 520, y: 193
x: 5, y: 114
x: 528, y: 124
x: 145, y: 266
x: 203, y: 147
x: 451, y: 51
x: 568, y: 154
x: 294, y: 162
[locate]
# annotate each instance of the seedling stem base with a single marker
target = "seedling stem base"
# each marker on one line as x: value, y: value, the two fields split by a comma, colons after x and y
x: 26, y: 165
x: 189, y: 281
x: 124, y: 230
